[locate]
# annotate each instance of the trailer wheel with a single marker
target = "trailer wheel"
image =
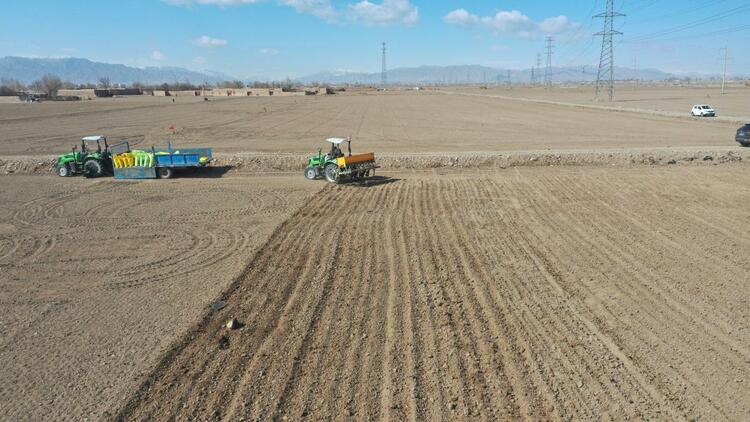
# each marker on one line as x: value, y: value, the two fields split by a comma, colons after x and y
x: 311, y: 173
x: 331, y: 173
x: 165, y: 172
x: 63, y: 170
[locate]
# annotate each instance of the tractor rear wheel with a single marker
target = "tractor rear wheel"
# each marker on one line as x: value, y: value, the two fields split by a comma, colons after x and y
x: 311, y: 173
x: 92, y: 168
x: 63, y: 170
x: 331, y: 173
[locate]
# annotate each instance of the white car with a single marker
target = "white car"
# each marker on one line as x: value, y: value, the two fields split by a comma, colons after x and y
x: 703, y: 110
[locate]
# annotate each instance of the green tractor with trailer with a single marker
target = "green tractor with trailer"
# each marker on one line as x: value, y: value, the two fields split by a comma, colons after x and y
x: 337, y: 167
x: 86, y: 161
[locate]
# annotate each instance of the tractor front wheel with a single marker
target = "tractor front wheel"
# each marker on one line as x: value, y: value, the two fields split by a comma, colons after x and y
x: 331, y: 173
x: 63, y: 170
x: 311, y: 173
x: 92, y: 168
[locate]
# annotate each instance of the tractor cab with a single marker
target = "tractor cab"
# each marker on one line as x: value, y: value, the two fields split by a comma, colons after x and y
x: 87, y: 161
x: 336, y: 147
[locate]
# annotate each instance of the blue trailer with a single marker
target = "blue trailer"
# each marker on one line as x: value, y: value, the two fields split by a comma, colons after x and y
x: 156, y: 162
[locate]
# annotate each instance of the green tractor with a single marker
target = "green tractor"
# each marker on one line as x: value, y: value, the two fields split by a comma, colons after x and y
x: 90, y: 163
x: 337, y: 167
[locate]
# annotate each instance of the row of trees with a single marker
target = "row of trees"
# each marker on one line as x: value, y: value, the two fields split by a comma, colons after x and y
x: 50, y: 85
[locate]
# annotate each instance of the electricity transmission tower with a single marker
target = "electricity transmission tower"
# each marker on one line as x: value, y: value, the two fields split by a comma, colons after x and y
x: 384, y: 71
x: 725, y: 59
x: 548, y: 69
x: 605, y: 78
x: 534, y: 70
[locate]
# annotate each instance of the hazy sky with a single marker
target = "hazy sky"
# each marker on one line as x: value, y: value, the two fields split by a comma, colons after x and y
x: 279, y: 38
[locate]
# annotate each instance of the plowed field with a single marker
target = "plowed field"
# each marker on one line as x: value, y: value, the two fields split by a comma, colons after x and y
x: 392, y: 122
x: 536, y: 294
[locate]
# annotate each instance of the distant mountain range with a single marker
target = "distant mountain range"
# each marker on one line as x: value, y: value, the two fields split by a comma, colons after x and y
x: 475, y: 74
x: 81, y: 71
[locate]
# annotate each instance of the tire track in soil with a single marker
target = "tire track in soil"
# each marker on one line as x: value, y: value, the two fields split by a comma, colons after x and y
x: 660, y: 294
x: 219, y: 377
x: 432, y: 299
x: 639, y: 298
x: 530, y: 301
x: 318, y: 343
x: 473, y: 315
x: 521, y: 398
x: 540, y: 201
x: 398, y: 397
x: 365, y: 350
x: 667, y: 312
x: 450, y: 355
x: 177, y: 376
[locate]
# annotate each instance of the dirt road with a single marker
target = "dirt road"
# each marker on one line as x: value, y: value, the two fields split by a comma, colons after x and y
x: 531, y: 293
x: 98, y: 278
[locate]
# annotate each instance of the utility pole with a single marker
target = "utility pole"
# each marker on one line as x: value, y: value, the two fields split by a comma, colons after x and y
x: 548, y: 69
x: 484, y: 78
x: 606, y: 75
x: 538, y: 67
x: 384, y: 71
x: 725, y: 59
x: 635, y: 73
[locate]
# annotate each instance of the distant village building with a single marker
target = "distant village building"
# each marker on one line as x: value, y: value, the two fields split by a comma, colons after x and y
x: 241, y: 92
x: 91, y: 93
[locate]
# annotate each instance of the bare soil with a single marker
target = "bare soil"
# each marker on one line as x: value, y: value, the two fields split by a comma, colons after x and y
x: 527, y: 293
x: 392, y: 122
x: 527, y: 261
x: 98, y: 278
x: 673, y: 100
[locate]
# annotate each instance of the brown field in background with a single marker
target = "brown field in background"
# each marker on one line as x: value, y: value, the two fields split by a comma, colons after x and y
x: 400, y: 122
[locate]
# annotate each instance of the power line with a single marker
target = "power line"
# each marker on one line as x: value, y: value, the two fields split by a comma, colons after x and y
x: 606, y: 73
x: 674, y: 13
x: 690, y: 25
x: 703, y: 35
x: 548, y: 68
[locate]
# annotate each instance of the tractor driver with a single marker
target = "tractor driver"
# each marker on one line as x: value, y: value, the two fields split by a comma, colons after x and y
x: 335, y: 151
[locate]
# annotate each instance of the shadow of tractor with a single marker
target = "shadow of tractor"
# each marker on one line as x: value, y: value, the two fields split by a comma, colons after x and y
x: 370, y: 181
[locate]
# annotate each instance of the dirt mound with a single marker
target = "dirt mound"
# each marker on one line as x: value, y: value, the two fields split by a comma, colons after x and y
x: 27, y: 165
x: 269, y: 163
